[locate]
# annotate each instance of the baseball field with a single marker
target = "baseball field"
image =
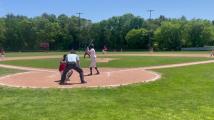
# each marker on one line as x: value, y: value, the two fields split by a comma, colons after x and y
x: 132, y: 85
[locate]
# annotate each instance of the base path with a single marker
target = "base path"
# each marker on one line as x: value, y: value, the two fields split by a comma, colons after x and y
x: 110, y: 55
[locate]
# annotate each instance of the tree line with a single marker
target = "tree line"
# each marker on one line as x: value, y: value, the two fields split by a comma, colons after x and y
x: 128, y: 32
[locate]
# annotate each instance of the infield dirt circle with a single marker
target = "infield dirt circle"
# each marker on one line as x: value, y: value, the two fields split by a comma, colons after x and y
x: 109, y: 77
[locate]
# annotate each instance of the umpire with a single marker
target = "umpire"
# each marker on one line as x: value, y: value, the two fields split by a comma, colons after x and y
x: 73, y: 62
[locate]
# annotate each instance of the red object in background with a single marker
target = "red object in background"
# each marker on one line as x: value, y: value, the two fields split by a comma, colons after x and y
x: 2, y: 52
x: 105, y: 48
x: 44, y: 45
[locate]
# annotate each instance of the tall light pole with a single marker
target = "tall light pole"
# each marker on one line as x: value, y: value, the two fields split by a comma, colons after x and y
x: 150, y: 40
x: 79, y: 24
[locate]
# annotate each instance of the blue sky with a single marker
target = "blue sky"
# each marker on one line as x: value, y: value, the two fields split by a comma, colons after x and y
x: 97, y: 10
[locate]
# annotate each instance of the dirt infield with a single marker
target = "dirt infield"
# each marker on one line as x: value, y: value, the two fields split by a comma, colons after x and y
x: 50, y: 78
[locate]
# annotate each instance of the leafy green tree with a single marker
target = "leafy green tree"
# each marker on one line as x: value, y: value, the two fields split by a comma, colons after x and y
x: 2, y: 32
x: 169, y: 36
x: 28, y: 34
x: 137, y: 39
x: 126, y: 31
x: 198, y: 33
x: 13, y: 38
x: 112, y: 32
x: 46, y: 31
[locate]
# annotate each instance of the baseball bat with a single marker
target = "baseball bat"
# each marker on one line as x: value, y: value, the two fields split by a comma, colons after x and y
x: 91, y: 42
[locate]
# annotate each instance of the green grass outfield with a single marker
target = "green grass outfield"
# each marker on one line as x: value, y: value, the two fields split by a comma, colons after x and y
x: 120, y: 62
x: 184, y: 93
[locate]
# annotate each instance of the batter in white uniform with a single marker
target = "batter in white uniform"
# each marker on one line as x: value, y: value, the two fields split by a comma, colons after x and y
x: 93, y: 56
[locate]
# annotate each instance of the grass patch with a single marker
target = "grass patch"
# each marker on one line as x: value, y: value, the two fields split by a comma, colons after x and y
x: 6, y: 71
x: 40, y: 63
x: 27, y: 54
x: 142, y: 61
x: 181, y: 94
x: 120, y: 62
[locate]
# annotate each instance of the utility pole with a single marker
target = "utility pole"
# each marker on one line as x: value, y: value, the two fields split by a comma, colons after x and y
x: 79, y: 14
x: 150, y: 13
x: 79, y: 24
x: 150, y: 40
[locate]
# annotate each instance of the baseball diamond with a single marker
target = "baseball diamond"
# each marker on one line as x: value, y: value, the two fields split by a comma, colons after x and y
x: 106, y: 60
x: 109, y: 77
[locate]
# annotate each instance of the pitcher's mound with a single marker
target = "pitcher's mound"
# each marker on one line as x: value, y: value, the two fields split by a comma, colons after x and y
x: 107, y: 78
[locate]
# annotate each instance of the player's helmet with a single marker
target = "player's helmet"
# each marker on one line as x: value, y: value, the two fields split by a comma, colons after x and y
x: 91, y: 46
x: 72, y: 51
